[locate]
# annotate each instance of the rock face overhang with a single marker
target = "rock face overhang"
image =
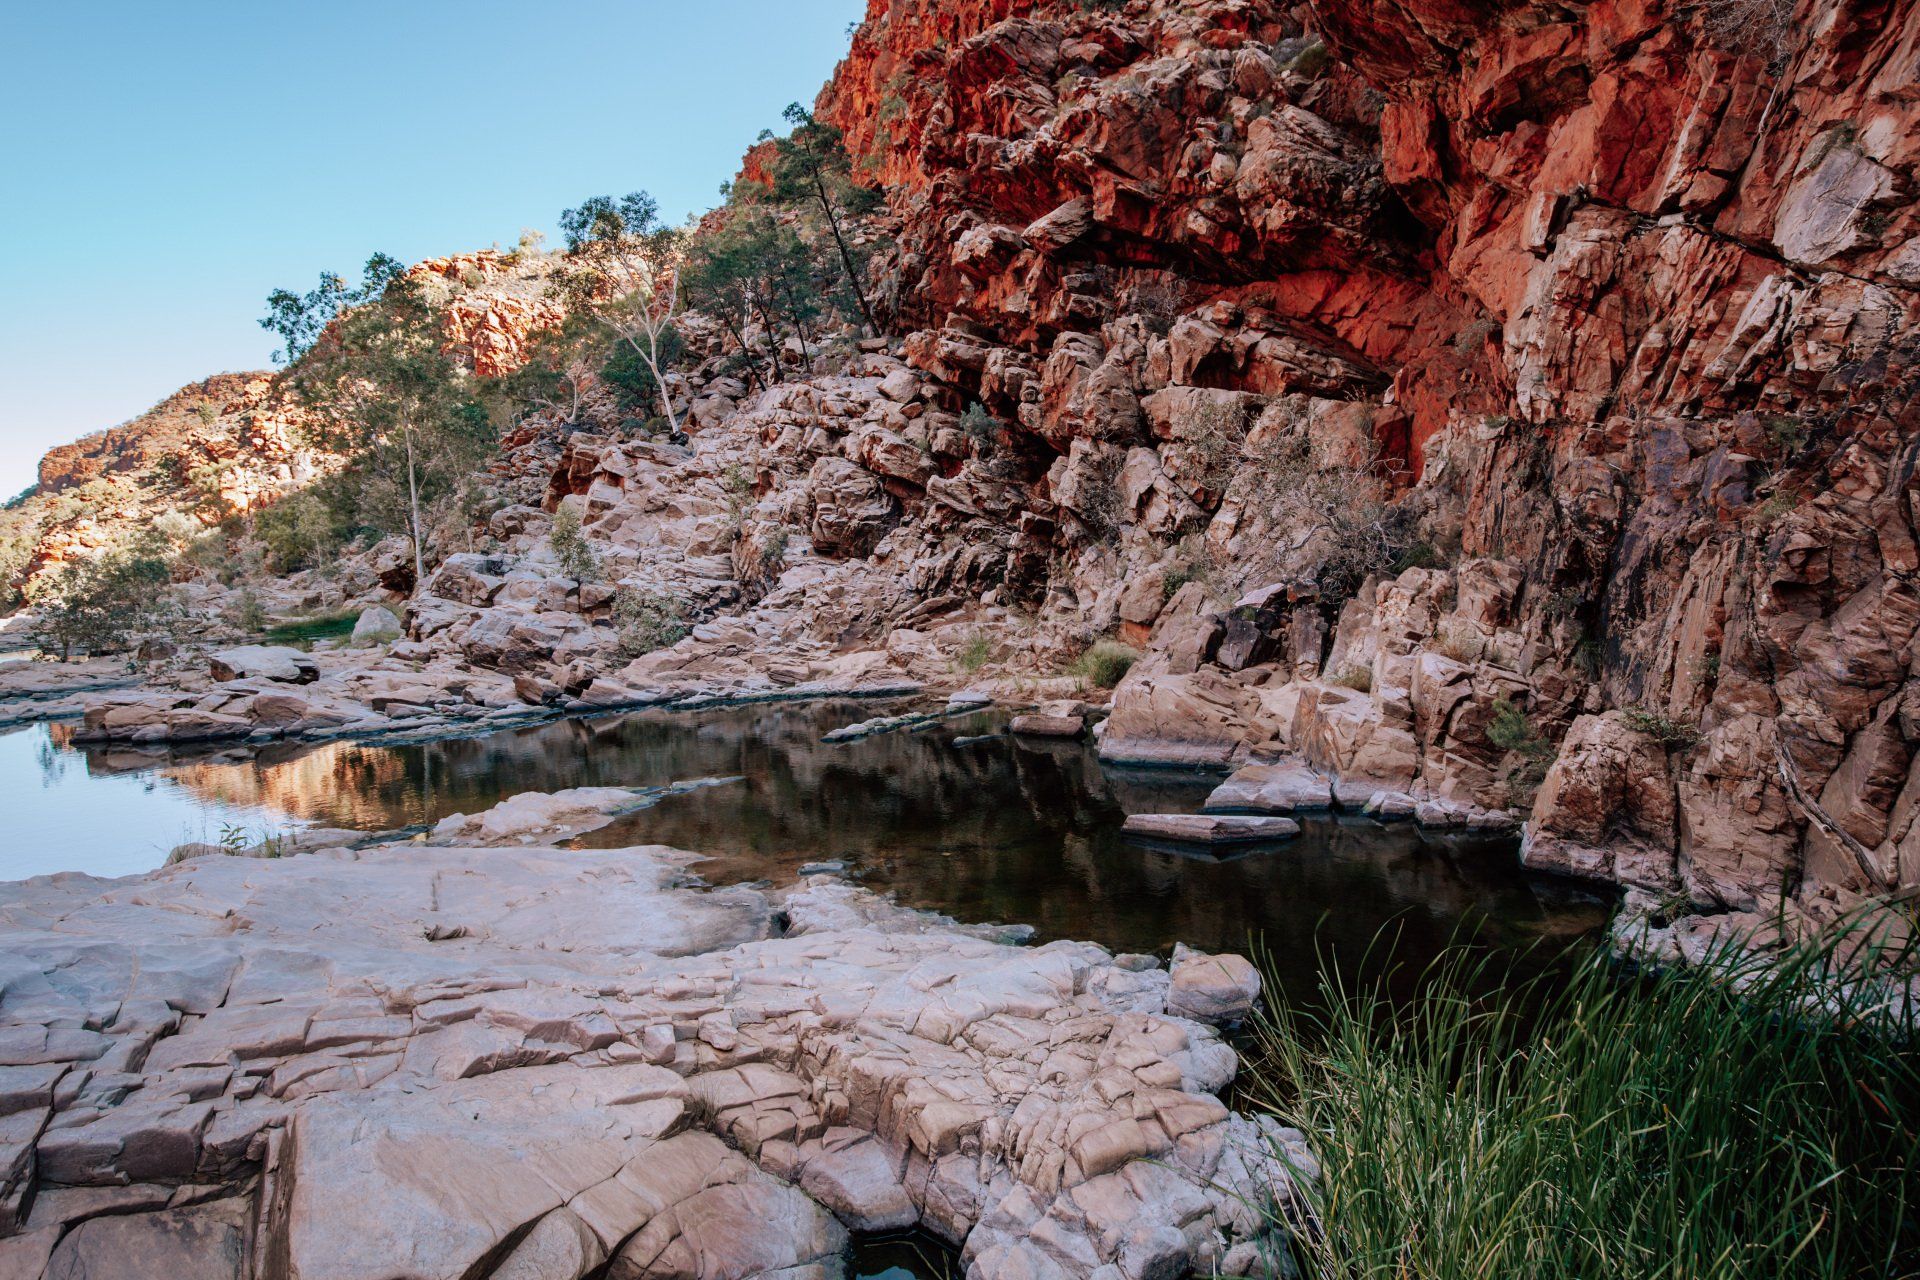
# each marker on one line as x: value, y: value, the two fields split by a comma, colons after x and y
x: 516, y: 1062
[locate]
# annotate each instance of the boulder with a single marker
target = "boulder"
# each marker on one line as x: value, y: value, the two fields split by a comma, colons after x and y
x: 263, y: 662
x: 1049, y: 726
x: 1607, y: 808
x: 376, y: 625
x: 1212, y: 988
x: 1272, y: 788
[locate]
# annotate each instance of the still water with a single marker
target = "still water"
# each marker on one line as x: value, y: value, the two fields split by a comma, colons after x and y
x: 1002, y: 831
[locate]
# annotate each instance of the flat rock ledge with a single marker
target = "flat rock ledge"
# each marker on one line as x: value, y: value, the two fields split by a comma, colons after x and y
x: 459, y: 1062
x: 1293, y: 786
x: 1208, y: 828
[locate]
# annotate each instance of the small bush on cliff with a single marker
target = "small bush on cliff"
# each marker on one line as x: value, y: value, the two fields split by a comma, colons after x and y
x: 1787, y: 436
x: 1310, y: 62
x: 1704, y: 1125
x: 1356, y: 678
x: 1669, y: 732
x: 570, y: 545
x: 974, y: 652
x: 981, y: 427
x: 1763, y: 28
x: 1511, y: 730
x: 646, y: 621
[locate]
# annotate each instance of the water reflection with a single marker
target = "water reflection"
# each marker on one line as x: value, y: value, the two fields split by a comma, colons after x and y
x: 1001, y: 830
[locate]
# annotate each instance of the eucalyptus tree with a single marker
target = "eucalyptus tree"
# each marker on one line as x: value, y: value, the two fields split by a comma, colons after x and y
x: 623, y: 267
x: 809, y: 170
x: 378, y: 387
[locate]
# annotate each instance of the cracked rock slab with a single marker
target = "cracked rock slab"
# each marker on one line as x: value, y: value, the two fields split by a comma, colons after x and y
x: 507, y: 1062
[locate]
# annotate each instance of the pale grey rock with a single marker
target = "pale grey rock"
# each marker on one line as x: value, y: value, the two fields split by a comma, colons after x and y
x: 1212, y: 988
x: 1038, y: 725
x: 263, y: 662
x: 516, y: 1061
x: 377, y: 625
x: 1272, y: 788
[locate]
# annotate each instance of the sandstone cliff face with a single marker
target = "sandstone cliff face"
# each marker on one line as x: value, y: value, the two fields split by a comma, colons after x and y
x: 1620, y: 300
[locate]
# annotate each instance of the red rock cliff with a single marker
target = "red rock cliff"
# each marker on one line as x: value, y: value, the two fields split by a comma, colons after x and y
x: 1622, y: 296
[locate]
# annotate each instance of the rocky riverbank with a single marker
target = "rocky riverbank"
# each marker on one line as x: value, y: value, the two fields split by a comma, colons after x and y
x: 479, y: 1055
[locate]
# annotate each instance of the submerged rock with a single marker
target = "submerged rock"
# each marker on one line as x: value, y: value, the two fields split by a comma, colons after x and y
x: 1272, y: 788
x: 1207, y: 828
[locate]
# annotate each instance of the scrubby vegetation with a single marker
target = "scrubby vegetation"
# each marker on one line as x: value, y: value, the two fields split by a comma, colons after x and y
x: 1105, y: 663
x: 647, y: 621
x: 104, y: 605
x: 974, y: 652
x: 378, y: 388
x: 1752, y: 1119
x: 577, y: 558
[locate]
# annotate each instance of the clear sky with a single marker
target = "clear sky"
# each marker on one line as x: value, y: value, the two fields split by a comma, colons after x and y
x: 164, y: 165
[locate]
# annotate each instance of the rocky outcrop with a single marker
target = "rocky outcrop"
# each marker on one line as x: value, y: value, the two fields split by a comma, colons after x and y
x: 1616, y: 309
x: 515, y: 1062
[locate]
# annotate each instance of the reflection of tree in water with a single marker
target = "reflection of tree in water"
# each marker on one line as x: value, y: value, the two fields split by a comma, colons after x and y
x: 53, y: 762
x: 1002, y: 830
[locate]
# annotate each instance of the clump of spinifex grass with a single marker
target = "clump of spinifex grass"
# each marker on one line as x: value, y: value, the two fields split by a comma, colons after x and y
x: 1741, y: 1121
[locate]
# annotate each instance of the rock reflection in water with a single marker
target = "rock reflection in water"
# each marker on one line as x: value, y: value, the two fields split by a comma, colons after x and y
x: 1003, y: 830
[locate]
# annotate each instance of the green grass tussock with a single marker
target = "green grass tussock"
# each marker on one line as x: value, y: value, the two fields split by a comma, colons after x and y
x: 1692, y: 1127
x: 1105, y: 663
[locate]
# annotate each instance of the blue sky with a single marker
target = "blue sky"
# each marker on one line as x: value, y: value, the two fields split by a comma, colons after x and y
x: 167, y: 164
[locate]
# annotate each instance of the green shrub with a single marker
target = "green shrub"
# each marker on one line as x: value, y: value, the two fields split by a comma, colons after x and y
x: 104, y: 605
x: 1680, y: 735
x: 981, y: 427
x: 646, y: 621
x: 1788, y: 436
x: 301, y: 530
x: 1702, y: 1125
x: 1511, y: 730
x: 1359, y: 678
x: 1310, y: 61
x: 247, y: 613
x: 974, y: 652
x: 570, y: 545
x: 1105, y: 663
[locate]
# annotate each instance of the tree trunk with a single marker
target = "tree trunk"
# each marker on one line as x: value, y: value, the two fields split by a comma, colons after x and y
x: 846, y: 254
x: 773, y: 339
x: 413, y: 501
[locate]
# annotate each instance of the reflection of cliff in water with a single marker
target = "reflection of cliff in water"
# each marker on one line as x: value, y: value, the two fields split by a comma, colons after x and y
x: 1029, y: 831
x: 999, y: 830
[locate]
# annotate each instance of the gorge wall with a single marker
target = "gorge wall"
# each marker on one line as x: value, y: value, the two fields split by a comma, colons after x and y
x: 1618, y: 298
